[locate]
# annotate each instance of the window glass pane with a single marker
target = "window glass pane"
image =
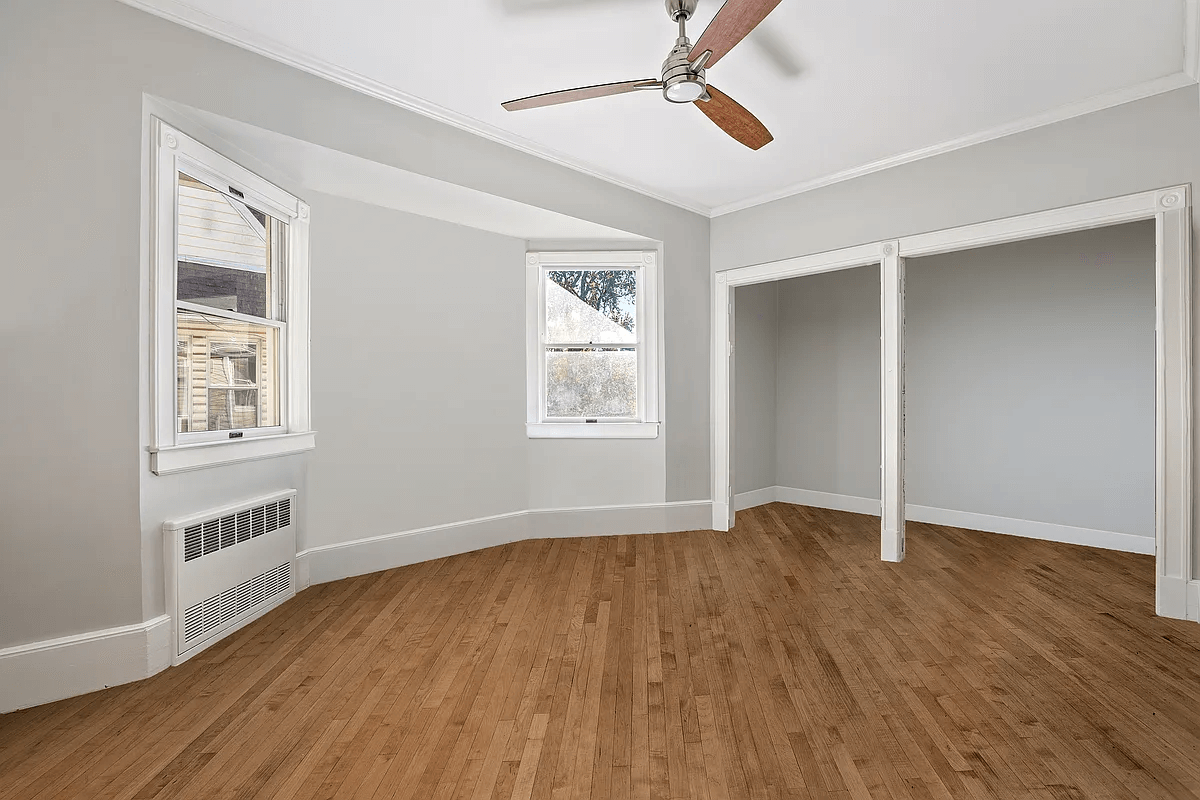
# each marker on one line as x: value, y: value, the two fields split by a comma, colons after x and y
x: 228, y: 374
x: 591, y: 306
x: 229, y: 253
x: 591, y: 382
x: 230, y: 409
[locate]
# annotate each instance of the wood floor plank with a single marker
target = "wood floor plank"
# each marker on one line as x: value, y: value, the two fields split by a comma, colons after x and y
x: 779, y: 660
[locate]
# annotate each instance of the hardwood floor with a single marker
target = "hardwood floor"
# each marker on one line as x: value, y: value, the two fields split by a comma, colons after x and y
x: 780, y: 660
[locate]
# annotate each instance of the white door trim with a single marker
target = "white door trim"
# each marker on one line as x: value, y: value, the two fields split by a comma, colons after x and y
x: 891, y: 384
x: 1170, y: 208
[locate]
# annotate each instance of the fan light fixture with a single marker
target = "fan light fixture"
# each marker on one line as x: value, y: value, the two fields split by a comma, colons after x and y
x: 687, y: 90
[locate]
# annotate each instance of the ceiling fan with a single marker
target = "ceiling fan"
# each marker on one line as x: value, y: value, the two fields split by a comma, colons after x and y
x: 683, y: 73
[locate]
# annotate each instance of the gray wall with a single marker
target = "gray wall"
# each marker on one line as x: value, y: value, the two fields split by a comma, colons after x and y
x: 827, y: 417
x: 756, y: 331
x: 80, y: 530
x: 419, y: 419
x: 411, y: 435
x: 1029, y: 380
x: 1138, y: 146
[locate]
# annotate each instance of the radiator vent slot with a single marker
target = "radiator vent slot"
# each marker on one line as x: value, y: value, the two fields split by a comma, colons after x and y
x: 221, y: 532
x: 202, y: 617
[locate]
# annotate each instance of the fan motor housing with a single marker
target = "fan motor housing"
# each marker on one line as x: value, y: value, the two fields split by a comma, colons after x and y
x: 681, y: 83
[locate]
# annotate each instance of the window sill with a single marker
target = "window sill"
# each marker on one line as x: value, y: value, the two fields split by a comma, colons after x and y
x: 591, y: 430
x: 183, y: 458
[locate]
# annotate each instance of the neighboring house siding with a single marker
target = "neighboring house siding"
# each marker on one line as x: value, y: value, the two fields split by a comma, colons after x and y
x: 211, y: 229
x: 198, y: 338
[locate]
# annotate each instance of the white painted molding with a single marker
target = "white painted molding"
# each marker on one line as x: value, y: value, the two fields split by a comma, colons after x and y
x: 186, y: 457
x: 650, y: 377
x: 1131, y: 94
x: 372, y: 554
x: 183, y: 14
x: 331, y: 562
x: 1191, y: 44
x: 722, y: 398
x: 169, y: 152
x: 754, y: 497
x: 596, y: 430
x: 830, y: 261
x: 1173, y: 388
x: 836, y: 502
x: 1084, y: 216
x: 1031, y: 529
x: 42, y: 672
x: 673, y: 517
x: 800, y: 497
x: 891, y: 383
x: 1028, y: 529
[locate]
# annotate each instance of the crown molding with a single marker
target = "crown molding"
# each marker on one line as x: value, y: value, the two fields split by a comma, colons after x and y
x: 1060, y: 114
x: 189, y: 17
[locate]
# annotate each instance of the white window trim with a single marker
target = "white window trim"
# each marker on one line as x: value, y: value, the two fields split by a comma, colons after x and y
x: 645, y: 426
x: 171, y: 152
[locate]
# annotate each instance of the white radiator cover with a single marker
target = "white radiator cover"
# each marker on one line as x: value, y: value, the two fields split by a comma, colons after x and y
x: 226, y: 567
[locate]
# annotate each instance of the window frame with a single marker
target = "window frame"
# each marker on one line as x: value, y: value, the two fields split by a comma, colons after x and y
x: 172, y: 152
x: 643, y: 426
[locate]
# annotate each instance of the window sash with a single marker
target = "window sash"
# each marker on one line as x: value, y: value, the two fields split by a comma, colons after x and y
x: 545, y: 384
x: 591, y: 345
x: 172, y: 152
x: 232, y: 316
x: 197, y: 437
x: 636, y: 346
x: 645, y: 344
x: 276, y: 267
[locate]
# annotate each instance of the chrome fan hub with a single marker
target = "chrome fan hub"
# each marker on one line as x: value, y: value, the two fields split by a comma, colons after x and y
x: 680, y: 8
x: 680, y: 82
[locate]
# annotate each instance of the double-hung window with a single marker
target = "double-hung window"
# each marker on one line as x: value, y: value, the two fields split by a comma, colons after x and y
x: 592, y: 345
x: 230, y: 310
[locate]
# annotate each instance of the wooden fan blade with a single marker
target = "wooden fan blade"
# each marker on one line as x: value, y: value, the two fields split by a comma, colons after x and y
x: 734, y: 120
x: 582, y: 93
x: 731, y: 24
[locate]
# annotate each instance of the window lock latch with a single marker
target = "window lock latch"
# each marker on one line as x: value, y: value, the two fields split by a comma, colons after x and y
x: 235, y: 434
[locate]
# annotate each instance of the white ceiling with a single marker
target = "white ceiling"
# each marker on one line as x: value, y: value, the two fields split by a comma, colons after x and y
x: 843, y: 86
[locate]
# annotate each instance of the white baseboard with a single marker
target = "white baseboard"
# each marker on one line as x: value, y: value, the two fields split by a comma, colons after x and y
x: 362, y: 556
x: 1176, y: 598
x: 756, y: 497
x: 837, y: 502
x: 1067, y: 534
x: 42, y: 672
x: 1029, y: 529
